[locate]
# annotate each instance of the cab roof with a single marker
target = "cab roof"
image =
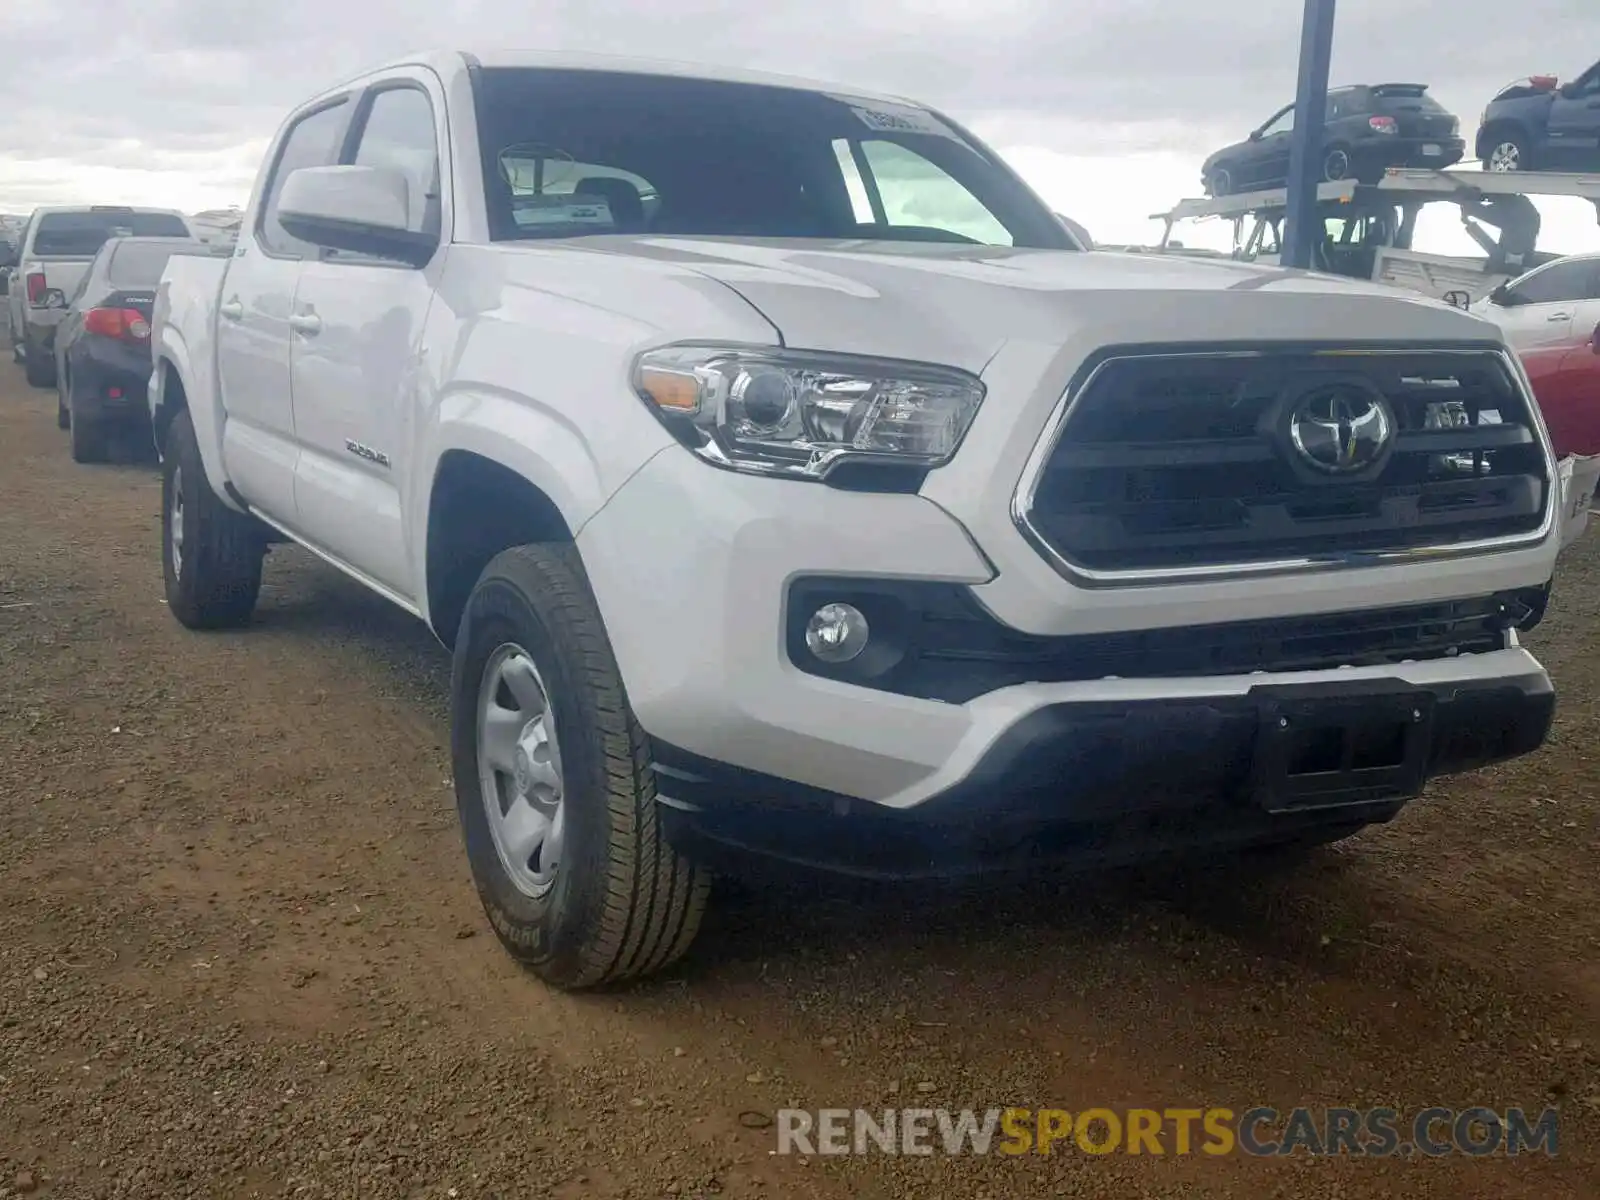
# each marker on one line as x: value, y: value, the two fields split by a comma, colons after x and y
x: 448, y: 62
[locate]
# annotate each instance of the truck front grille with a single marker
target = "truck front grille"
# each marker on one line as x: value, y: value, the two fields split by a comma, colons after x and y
x: 1198, y: 462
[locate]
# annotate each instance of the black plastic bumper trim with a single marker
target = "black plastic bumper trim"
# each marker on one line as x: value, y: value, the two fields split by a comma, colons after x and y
x: 1094, y: 783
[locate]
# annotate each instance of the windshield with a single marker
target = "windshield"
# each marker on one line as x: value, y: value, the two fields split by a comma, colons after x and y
x: 81, y: 234
x: 139, y: 265
x: 570, y: 153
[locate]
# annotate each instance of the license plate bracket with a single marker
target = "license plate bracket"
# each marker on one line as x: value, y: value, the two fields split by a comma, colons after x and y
x: 1330, y: 747
x: 1432, y: 151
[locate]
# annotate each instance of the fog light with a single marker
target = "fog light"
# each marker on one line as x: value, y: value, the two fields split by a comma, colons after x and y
x: 836, y: 633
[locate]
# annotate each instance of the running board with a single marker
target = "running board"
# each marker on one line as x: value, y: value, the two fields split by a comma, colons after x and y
x: 338, y: 564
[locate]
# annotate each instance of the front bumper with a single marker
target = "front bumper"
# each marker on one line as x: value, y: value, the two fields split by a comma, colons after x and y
x: 691, y: 567
x: 1098, y: 783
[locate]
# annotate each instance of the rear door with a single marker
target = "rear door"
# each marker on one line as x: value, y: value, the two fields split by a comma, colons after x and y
x: 254, y: 337
x: 1574, y: 122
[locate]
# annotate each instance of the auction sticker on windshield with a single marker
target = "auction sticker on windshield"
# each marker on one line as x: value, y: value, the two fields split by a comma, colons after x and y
x: 896, y: 118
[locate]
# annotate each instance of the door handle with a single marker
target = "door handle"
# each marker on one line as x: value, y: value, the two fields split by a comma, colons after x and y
x: 306, y: 323
x: 1559, y: 317
x: 231, y: 309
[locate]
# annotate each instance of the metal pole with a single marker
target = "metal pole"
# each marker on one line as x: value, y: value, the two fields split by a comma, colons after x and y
x: 1305, y: 147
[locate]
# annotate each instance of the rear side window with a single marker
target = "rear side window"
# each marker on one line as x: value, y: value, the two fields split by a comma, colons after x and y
x: 141, y: 266
x: 81, y: 234
x: 313, y: 141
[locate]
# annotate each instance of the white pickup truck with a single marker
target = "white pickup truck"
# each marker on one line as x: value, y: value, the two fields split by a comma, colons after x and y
x: 786, y: 480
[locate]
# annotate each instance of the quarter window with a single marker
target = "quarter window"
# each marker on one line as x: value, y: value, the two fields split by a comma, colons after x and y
x: 313, y: 141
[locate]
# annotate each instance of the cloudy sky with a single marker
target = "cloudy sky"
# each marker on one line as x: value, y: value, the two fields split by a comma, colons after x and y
x: 1106, y: 106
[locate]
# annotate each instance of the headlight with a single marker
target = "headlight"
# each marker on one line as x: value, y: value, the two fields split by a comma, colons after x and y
x: 799, y: 413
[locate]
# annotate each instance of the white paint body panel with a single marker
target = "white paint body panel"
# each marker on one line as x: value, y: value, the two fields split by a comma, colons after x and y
x: 521, y: 354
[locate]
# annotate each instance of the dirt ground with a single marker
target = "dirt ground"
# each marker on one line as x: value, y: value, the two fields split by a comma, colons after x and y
x: 240, y: 954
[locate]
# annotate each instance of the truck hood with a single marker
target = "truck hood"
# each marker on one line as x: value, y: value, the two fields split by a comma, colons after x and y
x: 959, y: 304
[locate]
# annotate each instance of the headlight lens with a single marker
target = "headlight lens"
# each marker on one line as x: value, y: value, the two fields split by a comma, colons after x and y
x: 800, y: 413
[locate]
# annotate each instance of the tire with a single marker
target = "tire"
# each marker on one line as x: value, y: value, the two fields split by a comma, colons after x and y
x: 39, y: 370
x: 88, y: 436
x: 1220, y: 182
x: 1336, y: 165
x: 619, y: 903
x: 1508, y: 151
x: 210, y: 554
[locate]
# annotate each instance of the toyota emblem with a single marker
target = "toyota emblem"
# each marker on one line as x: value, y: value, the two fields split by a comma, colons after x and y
x: 1340, y: 428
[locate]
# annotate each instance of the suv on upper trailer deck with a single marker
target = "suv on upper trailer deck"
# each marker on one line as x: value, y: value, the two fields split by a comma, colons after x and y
x: 1540, y: 123
x: 784, y: 477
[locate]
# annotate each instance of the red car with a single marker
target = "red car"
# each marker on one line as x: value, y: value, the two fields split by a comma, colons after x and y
x: 1566, y: 383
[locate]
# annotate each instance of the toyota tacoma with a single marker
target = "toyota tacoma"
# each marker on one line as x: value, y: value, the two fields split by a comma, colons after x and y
x: 786, y: 479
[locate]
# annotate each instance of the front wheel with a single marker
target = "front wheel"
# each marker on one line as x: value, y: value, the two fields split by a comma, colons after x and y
x: 210, y: 554
x: 553, y: 786
x: 1220, y: 182
x: 1507, y: 152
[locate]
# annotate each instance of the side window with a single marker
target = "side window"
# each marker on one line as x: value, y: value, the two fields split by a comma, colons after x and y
x: 916, y: 192
x: 1282, y: 123
x: 1560, y: 283
x: 313, y: 141
x: 399, y: 135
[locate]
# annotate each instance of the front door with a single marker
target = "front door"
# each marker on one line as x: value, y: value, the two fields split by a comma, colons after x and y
x: 254, y: 338
x: 1544, y: 304
x: 1574, y: 121
x: 357, y: 355
x: 1270, y: 162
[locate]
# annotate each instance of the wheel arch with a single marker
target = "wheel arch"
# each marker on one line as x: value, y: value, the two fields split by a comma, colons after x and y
x: 478, y: 507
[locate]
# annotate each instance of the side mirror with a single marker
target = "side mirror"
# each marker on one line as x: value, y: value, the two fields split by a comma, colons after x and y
x: 1568, y: 91
x: 1502, y: 296
x: 1255, y: 135
x: 365, y: 210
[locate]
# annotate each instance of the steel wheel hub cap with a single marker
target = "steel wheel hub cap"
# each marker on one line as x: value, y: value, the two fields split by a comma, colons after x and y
x: 519, y: 770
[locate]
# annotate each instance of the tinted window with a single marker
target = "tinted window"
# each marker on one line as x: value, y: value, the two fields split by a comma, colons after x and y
x: 140, y: 266
x: 1562, y: 282
x: 81, y: 234
x: 569, y: 153
x: 313, y: 141
x: 1282, y: 123
x: 399, y: 135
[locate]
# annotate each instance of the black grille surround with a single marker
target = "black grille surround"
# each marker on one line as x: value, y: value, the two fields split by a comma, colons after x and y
x: 935, y: 641
x: 1170, y: 463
